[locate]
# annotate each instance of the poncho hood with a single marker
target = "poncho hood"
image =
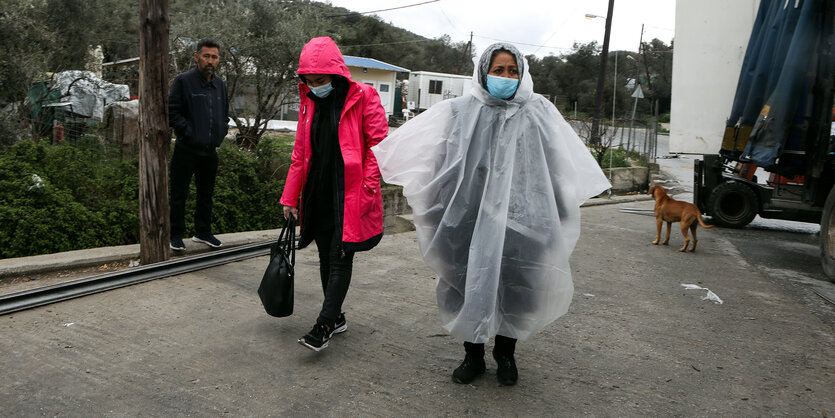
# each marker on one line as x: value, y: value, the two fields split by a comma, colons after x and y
x: 322, y: 56
x: 482, y: 68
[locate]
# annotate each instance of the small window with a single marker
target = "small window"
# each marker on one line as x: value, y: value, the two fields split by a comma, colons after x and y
x: 384, y: 88
x: 435, y: 86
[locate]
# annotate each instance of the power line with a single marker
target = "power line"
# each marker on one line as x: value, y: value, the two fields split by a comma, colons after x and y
x: 391, y: 43
x: 522, y: 43
x: 383, y: 10
x: 559, y: 27
x: 447, y: 18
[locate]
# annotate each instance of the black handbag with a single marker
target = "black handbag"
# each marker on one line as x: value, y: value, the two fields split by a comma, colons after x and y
x: 276, y: 289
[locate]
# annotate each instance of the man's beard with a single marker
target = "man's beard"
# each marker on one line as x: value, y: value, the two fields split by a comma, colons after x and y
x: 206, y: 70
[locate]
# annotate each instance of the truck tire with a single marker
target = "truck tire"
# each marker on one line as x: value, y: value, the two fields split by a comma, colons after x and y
x: 732, y: 204
x: 827, y: 236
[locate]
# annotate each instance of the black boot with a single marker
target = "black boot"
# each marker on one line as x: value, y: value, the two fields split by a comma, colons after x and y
x: 469, y: 369
x: 472, y: 366
x: 506, y: 371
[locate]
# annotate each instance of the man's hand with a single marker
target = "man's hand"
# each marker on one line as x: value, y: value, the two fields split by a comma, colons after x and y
x: 290, y: 210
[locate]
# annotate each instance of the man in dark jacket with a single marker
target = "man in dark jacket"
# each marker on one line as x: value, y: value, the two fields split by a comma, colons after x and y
x: 198, y: 111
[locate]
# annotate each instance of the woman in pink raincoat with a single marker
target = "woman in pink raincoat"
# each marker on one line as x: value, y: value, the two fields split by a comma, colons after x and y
x: 333, y: 185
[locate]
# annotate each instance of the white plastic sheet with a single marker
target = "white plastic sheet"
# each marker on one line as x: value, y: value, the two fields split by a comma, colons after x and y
x: 87, y: 93
x: 495, y: 188
x: 709, y: 296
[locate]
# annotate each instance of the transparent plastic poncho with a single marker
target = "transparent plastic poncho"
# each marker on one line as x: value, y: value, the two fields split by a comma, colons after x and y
x: 495, y: 187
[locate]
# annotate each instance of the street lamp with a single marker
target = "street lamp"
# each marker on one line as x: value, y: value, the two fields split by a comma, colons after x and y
x: 604, y: 55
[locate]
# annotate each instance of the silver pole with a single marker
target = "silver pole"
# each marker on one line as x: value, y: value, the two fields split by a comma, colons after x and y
x: 614, y: 93
x: 631, y: 124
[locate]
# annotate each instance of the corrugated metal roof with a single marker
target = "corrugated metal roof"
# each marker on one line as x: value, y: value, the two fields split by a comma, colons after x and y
x: 430, y: 73
x: 371, y: 63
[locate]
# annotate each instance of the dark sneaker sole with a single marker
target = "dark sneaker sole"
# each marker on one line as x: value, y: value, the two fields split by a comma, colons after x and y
x: 195, y: 239
x: 313, y: 347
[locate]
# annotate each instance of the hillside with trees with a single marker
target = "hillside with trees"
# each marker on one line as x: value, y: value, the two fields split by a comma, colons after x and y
x: 82, y: 191
x: 262, y: 40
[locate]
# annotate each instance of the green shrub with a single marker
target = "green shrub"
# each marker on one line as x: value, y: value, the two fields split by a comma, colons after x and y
x: 247, y: 190
x: 58, y: 198
x: 637, y: 159
x: 614, y: 157
x: 85, y: 199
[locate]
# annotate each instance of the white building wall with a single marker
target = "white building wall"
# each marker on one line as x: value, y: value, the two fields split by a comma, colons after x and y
x: 452, y: 86
x: 376, y: 78
x: 710, y: 42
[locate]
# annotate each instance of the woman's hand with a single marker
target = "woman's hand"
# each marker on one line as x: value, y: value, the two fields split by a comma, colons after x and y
x: 290, y: 210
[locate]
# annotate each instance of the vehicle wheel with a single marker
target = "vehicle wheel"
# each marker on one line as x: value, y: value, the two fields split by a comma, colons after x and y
x: 732, y: 204
x: 827, y: 236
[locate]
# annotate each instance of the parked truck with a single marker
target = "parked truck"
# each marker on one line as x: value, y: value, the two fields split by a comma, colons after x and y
x: 781, y: 122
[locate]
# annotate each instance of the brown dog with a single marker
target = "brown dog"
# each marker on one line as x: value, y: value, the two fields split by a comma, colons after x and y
x: 670, y: 210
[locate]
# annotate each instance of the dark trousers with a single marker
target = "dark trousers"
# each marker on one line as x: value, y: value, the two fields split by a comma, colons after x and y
x: 335, y: 271
x: 204, y: 169
x: 505, y: 346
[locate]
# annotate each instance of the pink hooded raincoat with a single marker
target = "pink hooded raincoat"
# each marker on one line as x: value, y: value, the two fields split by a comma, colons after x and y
x: 362, y: 125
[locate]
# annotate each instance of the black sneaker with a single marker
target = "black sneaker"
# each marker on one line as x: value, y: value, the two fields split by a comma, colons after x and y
x: 469, y: 369
x: 340, y: 326
x: 177, y: 244
x: 506, y: 369
x: 208, y: 239
x: 317, y: 338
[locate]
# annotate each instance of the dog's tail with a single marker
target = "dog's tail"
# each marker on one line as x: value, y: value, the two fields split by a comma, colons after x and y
x: 703, y: 224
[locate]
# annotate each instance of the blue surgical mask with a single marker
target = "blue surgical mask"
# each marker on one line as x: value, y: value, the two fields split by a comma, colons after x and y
x: 322, y: 91
x: 501, y: 87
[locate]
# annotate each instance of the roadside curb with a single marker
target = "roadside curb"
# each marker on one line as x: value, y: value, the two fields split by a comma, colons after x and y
x: 92, y: 257
x: 598, y: 201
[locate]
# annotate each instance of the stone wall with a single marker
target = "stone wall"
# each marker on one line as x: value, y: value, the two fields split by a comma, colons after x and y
x: 628, y: 179
x: 394, y: 207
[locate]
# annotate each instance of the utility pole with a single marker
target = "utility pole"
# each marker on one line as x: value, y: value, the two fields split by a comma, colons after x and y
x: 154, y: 138
x: 470, y: 45
x: 598, y: 97
x: 467, y: 53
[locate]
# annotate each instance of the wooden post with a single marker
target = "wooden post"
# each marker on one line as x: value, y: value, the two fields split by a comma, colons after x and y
x: 154, y: 138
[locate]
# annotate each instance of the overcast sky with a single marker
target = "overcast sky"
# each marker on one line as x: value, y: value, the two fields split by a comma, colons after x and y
x: 538, y: 27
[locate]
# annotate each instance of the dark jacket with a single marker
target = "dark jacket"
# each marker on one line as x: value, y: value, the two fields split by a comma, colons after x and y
x: 198, y: 112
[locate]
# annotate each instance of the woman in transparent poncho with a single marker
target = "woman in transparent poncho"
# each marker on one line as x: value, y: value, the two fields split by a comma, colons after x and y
x: 495, y: 180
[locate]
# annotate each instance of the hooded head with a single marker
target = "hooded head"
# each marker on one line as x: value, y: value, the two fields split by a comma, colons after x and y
x: 482, y: 70
x: 322, y: 56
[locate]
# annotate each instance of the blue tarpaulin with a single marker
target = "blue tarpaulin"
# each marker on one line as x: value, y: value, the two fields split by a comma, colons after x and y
x: 775, y: 94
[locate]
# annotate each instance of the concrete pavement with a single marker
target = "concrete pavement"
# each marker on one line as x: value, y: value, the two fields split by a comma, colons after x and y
x: 634, y: 343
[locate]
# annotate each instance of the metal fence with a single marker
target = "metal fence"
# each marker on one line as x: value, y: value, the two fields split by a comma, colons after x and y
x: 638, y: 136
